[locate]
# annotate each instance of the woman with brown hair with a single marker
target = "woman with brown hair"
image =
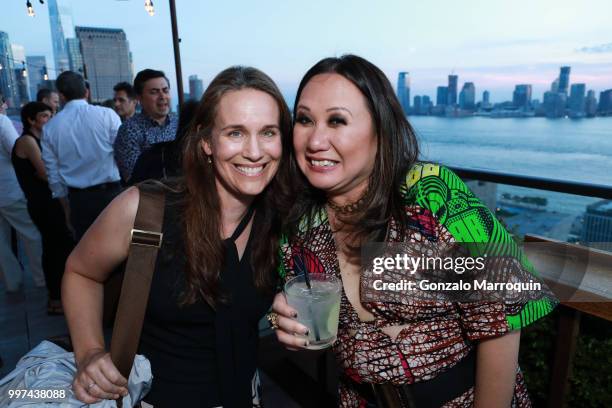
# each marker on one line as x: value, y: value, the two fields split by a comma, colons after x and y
x: 357, y: 180
x: 213, y: 279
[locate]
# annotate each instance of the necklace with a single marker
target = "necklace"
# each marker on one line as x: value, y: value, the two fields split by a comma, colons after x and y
x: 349, y: 208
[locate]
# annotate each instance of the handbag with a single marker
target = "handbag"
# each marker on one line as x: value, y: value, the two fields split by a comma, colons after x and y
x: 50, y: 366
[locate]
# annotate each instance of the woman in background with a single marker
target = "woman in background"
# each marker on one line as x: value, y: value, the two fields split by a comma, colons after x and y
x: 46, y: 212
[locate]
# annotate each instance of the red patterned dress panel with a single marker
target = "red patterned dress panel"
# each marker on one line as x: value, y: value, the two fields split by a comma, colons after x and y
x: 435, y: 335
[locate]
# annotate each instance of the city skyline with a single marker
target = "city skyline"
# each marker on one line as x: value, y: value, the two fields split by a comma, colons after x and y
x: 430, y: 44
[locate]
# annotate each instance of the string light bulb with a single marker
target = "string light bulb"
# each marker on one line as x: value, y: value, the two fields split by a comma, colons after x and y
x: 149, y: 7
x: 30, y: 9
x: 24, y: 72
x: 45, y: 75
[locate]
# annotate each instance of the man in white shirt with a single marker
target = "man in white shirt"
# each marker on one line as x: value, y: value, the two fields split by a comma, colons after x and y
x: 77, y: 149
x: 14, y: 213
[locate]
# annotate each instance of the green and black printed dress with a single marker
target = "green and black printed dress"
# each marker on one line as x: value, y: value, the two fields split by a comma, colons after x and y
x: 436, y: 335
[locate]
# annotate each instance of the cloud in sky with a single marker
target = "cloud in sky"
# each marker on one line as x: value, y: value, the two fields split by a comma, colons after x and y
x: 597, y: 49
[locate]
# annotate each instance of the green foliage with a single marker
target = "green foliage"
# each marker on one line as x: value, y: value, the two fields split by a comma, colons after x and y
x: 590, y: 383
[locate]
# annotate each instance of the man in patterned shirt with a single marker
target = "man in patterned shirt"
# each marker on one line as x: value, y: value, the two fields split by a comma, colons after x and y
x: 155, y: 124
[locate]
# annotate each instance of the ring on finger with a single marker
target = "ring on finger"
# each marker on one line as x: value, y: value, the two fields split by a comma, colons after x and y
x: 273, y: 320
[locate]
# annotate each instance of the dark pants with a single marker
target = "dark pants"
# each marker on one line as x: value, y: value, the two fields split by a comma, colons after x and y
x: 57, y: 242
x: 87, y: 204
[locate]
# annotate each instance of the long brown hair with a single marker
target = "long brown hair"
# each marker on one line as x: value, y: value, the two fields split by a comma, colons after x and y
x: 397, y: 152
x: 202, y: 213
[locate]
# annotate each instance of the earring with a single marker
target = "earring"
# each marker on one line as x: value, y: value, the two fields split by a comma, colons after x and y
x: 209, y: 160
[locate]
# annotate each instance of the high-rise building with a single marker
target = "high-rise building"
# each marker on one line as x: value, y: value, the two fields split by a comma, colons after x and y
x: 442, y: 96
x: 467, y: 96
x: 605, y: 103
x: 74, y: 55
x: 65, y: 15
x: 521, y: 97
x: 60, y: 54
x: 403, y: 90
x: 590, y: 104
x: 554, y: 104
x: 452, y: 90
x: 564, y: 75
x: 7, y: 73
x: 426, y: 105
x: 21, y: 92
x: 486, y: 96
x: 21, y: 95
x: 106, y: 59
x: 196, y: 87
x: 37, y: 67
x: 554, y: 87
x: 597, y: 227
x: 416, y: 107
x: 576, y: 101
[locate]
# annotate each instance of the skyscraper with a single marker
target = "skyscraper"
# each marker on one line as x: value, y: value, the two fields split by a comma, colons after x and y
x: 486, y: 96
x: 74, y: 54
x: 7, y: 72
x: 554, y: 104
x: 442, y: 96
x: 521, y: 97
x: 554, y: 87
x: 425, y: 105
x: 403, y: 90
x: 590, y: 104
x: 467, y: 97
x: 196, y: 87
x: 417, y: 104
x: 564, y: 79
x: 60, y: 54
x: 452, y: 90
x: 37, y: 66
x: 21, y: 92
x: 106, y: 59
x: 605, y: 103
x: 576, y: 100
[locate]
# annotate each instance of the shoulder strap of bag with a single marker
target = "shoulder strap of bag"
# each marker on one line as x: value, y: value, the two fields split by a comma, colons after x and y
x: 146, y: 240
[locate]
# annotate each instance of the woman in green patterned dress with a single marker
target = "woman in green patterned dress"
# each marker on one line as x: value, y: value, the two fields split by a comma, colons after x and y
x: 358, y: 180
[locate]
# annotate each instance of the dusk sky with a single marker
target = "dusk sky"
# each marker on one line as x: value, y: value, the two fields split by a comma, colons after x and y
x: 495, y: 44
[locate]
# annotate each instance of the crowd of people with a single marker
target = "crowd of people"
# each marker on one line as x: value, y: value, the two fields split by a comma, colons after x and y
x: 260, y: 196
x: 54, y: 184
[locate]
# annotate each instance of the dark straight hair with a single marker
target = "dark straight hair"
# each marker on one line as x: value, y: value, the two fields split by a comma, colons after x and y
x: 202, y: 212
x: 29, y: 111
x: 397, y: 152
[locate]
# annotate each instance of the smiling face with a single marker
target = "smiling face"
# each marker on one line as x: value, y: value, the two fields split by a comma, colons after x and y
x: 245, y: 144
x: 155, y: 98
x: 334, y: 138
x: 41, y: 119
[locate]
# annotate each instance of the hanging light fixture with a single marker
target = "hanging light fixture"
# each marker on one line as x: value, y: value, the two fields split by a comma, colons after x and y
x: 30, y: 8
x: 148, y: 5
x: 45, y: 75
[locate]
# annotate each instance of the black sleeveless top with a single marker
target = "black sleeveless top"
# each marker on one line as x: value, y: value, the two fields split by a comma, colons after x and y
x: 36, y: 190
x: 201, y: 357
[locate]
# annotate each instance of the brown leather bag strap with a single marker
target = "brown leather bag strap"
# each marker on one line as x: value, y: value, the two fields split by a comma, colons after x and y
x: 146, y: 241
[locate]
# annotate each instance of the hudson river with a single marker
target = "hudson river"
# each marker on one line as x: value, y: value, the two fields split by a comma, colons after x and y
x: 564, y: 149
